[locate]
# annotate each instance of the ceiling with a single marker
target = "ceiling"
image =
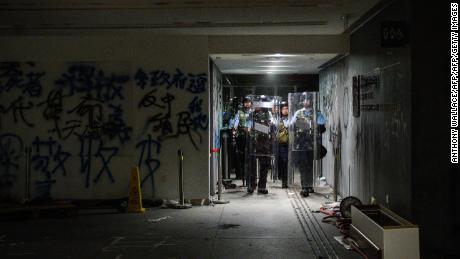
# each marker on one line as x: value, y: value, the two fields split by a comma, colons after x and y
x: 196, y: 17
x: 212, y: 17
x: 270, y: 64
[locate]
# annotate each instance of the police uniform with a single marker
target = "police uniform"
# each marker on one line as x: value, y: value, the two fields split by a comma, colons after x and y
x: 304, y: 145
x: 261, y: 150
x: 283, y: 150
x: 241, y: 123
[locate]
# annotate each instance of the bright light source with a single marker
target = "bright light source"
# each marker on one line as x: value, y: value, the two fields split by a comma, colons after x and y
x: 278, y: 55
x: 273, y: 61
x: 277, y: 66
x: 279, y: 70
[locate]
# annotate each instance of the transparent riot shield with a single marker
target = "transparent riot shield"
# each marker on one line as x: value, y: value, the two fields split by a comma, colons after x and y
x: 262, y: 142
x: 302, y: 141
x: 228, y: 141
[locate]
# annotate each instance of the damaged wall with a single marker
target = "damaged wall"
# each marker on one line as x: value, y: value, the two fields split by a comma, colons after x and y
x: 92, y: 107
x: 370, y: 153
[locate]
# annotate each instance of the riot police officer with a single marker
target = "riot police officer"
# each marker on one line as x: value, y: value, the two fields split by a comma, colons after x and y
x: 242, y: 124
x: 261, y: 147
x: 303, y: 144
x: 228, y: 128
x: 283, y: 146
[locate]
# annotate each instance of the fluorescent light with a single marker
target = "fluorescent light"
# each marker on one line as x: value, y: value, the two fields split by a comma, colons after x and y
x: 273, y: 61
x: 276, y: 66
x: 279, y: 70
x: 278, y: 55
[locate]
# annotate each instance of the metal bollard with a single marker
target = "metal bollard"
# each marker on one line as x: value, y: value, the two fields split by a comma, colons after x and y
x: 225, y: 139
x: 219, y: 182
x: 181, y: 177
x: 181, y: 204
x: 28, y: 151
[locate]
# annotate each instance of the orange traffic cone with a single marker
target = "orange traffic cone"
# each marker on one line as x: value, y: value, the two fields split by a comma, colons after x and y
x: 135, y: 194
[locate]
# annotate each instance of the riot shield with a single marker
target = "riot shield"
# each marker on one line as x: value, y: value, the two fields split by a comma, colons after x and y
x: 229, y: 139
x: 303, y: 140
x: 262, y: 142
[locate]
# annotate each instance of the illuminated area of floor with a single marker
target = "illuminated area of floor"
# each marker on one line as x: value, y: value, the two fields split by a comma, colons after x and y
x: 277, y: 225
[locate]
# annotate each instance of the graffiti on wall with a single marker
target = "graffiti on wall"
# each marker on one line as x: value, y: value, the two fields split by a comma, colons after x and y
x: 48, y: 159
x: 149, y: 158
x: 79, y: 111
x: 98, y: 114
x: 11, y: 148
x: 189, y: 122
x: 193, y: 83
x: 20, y: 83
x: 168, y: 119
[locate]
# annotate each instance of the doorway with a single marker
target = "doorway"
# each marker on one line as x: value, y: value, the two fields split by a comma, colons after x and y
x: 236, y: 77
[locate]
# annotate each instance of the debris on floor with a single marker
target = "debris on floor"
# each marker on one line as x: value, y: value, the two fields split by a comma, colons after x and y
x: 159, y: 219
x: 341, y: 241
x: 169, y: 203
x: 227, y: 226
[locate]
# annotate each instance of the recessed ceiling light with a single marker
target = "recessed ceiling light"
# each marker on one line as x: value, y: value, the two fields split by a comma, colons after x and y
x: 277, y: 66
x: 279, y: 70
x: 278, y: 55
x: 273, y: 61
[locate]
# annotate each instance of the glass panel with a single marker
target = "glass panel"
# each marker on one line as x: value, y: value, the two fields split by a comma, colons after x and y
x: 302, y: 140
x: 262, y: 142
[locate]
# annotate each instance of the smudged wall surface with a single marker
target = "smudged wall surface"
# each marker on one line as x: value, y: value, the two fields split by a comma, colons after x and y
x: 216, y: 123
x: 373, y: 150
x: 91, y: 110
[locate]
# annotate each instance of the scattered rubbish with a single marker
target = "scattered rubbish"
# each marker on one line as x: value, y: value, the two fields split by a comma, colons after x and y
x: 341, y: 241
x: 227, y: 226
x: 159, y: 219
x: 290, y: 193
x: 331, y: 205
x: 172, y: 204
x: 322, y: 181
x: 169, y: 203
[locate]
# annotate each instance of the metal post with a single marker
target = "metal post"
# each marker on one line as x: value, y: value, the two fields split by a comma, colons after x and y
x: 181, y: 204
x: 181, y: 177
x: 27, y: 187
x: 336, y: 180
x: 225, y: 138
x: 219, y: 177
x: 315, y: 144
x: 219, y: 182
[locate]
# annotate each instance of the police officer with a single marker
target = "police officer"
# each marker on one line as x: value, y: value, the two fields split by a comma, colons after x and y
x: 261, y: 148
x: 283, y: 144
x: 242, y: 124
x: 228, y: 124
x: 303, y: 144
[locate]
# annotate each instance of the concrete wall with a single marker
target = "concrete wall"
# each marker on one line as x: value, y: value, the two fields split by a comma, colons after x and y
x: 370, y: 153
x: 92, y: 107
